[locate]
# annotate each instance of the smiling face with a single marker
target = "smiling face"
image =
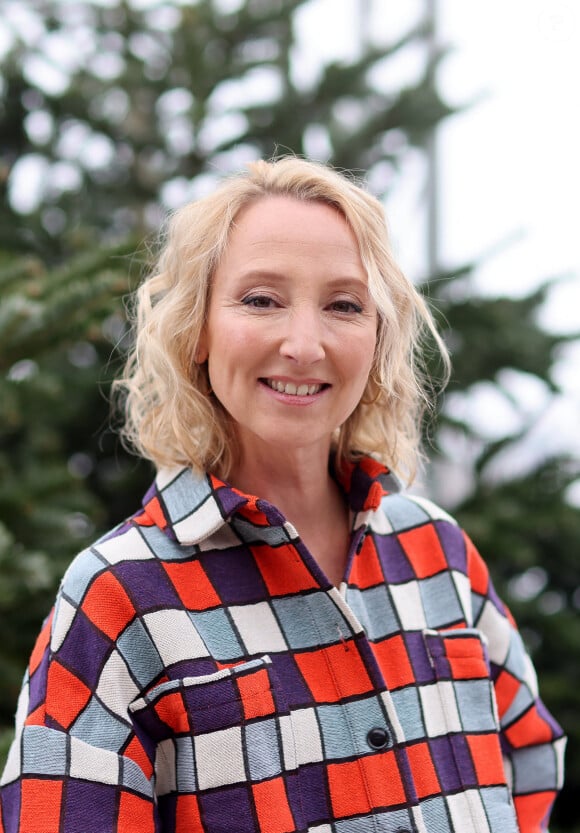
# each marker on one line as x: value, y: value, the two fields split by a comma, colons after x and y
x: 291, y: 327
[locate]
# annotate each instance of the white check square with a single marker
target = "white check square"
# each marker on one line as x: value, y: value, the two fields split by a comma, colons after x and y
x: 409, y: 605
x: 467, y: 812
x: 92, y: 763
x: 220, y: 758
x: 258, y: 628
x: 116, y: 687
x: 307, y: 733
x: 439, y: 709
x: 175, y: 636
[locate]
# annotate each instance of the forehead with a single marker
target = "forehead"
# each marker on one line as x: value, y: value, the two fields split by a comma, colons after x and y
x: 286, y: 226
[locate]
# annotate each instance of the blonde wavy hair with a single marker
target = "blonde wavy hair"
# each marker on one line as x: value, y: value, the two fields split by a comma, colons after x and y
x: 172, y: 419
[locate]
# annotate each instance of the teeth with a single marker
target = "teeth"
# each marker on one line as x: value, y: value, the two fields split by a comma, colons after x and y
x: 291, y: 389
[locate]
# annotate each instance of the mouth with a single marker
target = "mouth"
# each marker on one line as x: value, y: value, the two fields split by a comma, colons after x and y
x: 292, y: 389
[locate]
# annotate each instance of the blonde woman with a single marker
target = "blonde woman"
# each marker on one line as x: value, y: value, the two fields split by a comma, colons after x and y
x: 280, y: 640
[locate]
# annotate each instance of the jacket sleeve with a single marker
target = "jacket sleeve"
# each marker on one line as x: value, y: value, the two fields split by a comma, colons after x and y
x: 76, y: 762
x: 532, y: 742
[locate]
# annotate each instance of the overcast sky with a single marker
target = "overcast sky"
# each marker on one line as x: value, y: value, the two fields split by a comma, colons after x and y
x: 512, y: 163
x: 510, y: 168
x: 509, y: 165
x: 509, y: 173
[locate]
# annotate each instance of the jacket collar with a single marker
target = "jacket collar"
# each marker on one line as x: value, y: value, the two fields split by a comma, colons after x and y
x: 190, y: 507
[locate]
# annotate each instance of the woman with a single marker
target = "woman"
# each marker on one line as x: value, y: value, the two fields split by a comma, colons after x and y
x: 279, y: 640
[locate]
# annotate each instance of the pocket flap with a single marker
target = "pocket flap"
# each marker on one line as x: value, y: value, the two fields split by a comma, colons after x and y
x: 458, y: 654
x: 195, y: 705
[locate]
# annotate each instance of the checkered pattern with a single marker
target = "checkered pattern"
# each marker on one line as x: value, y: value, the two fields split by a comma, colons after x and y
x: 200, y: 674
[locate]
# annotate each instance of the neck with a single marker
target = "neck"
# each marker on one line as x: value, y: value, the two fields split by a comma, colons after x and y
x: 282, y: 477
x: 301, y: 487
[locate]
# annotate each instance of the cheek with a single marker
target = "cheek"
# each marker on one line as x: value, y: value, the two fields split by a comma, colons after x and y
x: 362, y: 356
x: 217, y: 333
x: 233, y: 349
x: 240, y: 349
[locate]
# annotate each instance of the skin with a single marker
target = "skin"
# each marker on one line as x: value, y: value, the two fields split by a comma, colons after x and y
x: 290, y: 305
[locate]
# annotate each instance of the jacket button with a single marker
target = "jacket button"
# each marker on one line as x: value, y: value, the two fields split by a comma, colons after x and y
x: 378, y: 738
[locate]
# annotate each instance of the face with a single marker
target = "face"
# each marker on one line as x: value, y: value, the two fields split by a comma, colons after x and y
x: 291, y: 327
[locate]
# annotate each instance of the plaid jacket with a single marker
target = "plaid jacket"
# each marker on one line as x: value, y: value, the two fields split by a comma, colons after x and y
x: 199, y: 674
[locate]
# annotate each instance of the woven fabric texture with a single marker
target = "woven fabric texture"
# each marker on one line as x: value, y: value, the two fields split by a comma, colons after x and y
x: 199, y: 673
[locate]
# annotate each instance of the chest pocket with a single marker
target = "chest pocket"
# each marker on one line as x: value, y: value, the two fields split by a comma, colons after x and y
x: 459, y: 707
x: 224, y: 750
x: 460, y: 714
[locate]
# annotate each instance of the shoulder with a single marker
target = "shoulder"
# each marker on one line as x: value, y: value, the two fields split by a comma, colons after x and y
x: 107, y: 585
x: 406, y: 511
x: 101, y: 570
x: 431, y: 538
x: 124, y: 542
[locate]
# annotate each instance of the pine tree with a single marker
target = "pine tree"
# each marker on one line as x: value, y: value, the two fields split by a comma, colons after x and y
x: 162, y: 96
x: 157, y: 100
x: 57, y: 328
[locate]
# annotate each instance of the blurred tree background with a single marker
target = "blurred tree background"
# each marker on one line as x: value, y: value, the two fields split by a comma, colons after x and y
x: 110, y: 114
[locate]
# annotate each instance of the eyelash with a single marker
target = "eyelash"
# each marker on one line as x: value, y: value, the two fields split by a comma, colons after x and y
x: 257, y: 301
x: 352, y: 307
x: 265, y: 302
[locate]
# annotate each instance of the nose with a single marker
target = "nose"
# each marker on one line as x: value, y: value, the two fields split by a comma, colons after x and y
x: 303, y: 340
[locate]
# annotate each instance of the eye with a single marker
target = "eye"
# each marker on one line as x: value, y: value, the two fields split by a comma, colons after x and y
x: 259, y: 302
x: 345, y: 307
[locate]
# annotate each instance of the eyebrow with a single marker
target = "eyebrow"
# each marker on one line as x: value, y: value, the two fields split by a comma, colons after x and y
x: 271, y: 275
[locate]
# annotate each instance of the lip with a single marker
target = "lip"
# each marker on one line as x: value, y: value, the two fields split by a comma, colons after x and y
x: 294, y: 398
x: 294, y: 381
